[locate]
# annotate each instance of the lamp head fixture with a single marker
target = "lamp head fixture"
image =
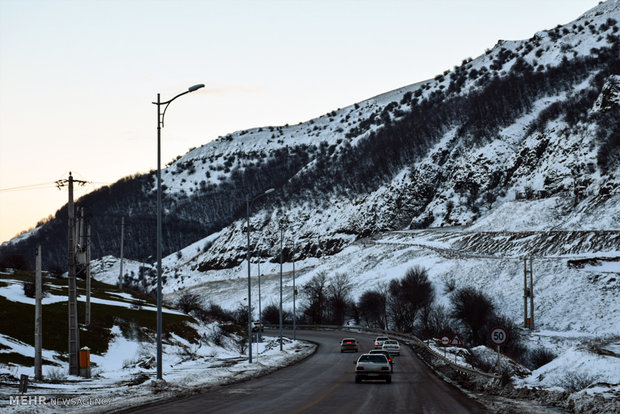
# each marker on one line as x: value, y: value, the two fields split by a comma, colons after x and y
x: 195, y: 87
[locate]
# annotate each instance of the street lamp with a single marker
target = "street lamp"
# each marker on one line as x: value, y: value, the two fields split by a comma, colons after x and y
x: 160, y: 125
x: 260, y: 310
x: 294, y: 297
x: 248, y: 204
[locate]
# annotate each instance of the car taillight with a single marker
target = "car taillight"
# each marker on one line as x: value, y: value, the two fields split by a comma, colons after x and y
x: 376, y: 343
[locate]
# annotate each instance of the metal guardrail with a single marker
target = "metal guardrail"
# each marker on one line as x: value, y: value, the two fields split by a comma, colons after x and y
x: 394, y: 334
x: 418, y: 341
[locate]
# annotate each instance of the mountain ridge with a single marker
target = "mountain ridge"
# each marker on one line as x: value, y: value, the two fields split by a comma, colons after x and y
x: 447, y: 151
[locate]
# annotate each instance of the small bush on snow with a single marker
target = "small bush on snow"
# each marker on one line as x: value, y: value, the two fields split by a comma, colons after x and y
x: 574, y: 381
x: 539, y: 357
x: 56, y: 374
x: 189, y: 302
x: 215, y: 336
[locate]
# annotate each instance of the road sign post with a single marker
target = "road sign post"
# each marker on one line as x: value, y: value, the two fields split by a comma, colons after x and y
x: 445, y: 341
x: 499, y: 337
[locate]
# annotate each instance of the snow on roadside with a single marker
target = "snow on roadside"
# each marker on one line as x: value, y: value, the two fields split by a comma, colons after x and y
x: 576, y: 365
x: 118, y: 381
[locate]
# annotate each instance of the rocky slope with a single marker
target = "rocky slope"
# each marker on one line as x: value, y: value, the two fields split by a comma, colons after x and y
x: 530, y: 127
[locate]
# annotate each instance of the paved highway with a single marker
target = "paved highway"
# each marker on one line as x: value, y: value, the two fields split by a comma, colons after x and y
x: 325, y: 383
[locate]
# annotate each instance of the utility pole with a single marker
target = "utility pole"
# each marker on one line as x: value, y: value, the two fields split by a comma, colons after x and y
x: 88, y: 239
x: 74, y: 332
x: 260, y: 310
x: 80, y: 235
x: 281, y: 237
x: 294, y: 296
x: 38, y: 318
x: 528, y: 292
x: 120, y: 276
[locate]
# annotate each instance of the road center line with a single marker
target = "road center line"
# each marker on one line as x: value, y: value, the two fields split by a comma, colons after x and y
x: 322, y: 396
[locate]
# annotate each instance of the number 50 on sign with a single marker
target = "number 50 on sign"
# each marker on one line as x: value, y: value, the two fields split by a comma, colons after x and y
x: 499, y: 336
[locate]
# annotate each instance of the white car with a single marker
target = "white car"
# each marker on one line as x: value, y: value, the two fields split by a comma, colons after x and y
x: 373, y: 367
x: 379, y: 341
x: 392, y: 346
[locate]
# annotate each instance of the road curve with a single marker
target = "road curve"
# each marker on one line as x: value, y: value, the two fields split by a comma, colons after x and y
x: 325, y: 383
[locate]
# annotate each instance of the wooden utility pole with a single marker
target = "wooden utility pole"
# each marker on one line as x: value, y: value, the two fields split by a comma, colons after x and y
x: 80, y: 234
x: 87, y: 318
x: 38, y: 317
x: 120, y: 276
x: 294, y: 297
x: 74, y: 332
x: 531, y: 296
x: 528, y: 293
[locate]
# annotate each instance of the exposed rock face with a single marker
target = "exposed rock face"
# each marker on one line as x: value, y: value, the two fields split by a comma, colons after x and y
x: 523, y: 137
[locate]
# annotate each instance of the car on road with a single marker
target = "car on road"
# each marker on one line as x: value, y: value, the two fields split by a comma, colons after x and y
x: 373, y: 367
x: 348, y: 344
x: 382, y: 352
x: 379, y: 341
x: 256, y: 326
x: 392, y: 346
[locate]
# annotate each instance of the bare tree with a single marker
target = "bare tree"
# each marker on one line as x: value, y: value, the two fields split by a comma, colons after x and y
x: 408, y: 296
x: 315, y: 293
x: 338, y: 297
x: 371, y: 307
x: 474, y: 309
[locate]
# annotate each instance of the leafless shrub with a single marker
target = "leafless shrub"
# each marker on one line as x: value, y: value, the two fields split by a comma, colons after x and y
x: 189, y: 302
x: 56, y: 375
x: 539, y: 357
x: 479, y: 362
x: 574, y: 381
x: 242, y: 344
x: 216, y: 336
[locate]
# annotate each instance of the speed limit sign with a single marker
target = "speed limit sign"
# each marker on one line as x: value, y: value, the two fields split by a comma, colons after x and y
x: 499, y: 336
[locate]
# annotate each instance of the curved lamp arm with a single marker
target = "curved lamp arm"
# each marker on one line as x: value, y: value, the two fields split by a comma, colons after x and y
x: 167, y: 103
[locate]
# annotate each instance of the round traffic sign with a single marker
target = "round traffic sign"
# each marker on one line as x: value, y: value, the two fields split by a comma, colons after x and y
x: 498, y: 335
x: 445, y: 340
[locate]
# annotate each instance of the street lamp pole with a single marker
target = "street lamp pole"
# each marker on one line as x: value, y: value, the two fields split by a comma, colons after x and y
x: 294, y: 297
x: 248, y: 204
x: 260, y: 311
x: 160, y: 125
x: 281, y: 237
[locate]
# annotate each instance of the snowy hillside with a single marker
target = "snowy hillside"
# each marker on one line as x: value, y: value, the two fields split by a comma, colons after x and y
x: 529, y: 125
x: 545, y: 164
x: 513, y: 154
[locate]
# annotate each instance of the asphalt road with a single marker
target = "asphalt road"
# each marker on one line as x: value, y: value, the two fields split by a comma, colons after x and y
x: 325, y: 383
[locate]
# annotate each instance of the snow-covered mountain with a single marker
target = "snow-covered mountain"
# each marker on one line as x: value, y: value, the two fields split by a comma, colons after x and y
x: 530, y: 127
x: 513, y: 154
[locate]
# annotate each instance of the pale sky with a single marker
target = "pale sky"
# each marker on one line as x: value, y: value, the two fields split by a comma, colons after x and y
x: 77, y: 77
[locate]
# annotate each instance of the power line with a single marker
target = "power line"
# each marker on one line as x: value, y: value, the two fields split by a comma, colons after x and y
x: 41, y: 186
x: 30, y: 187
